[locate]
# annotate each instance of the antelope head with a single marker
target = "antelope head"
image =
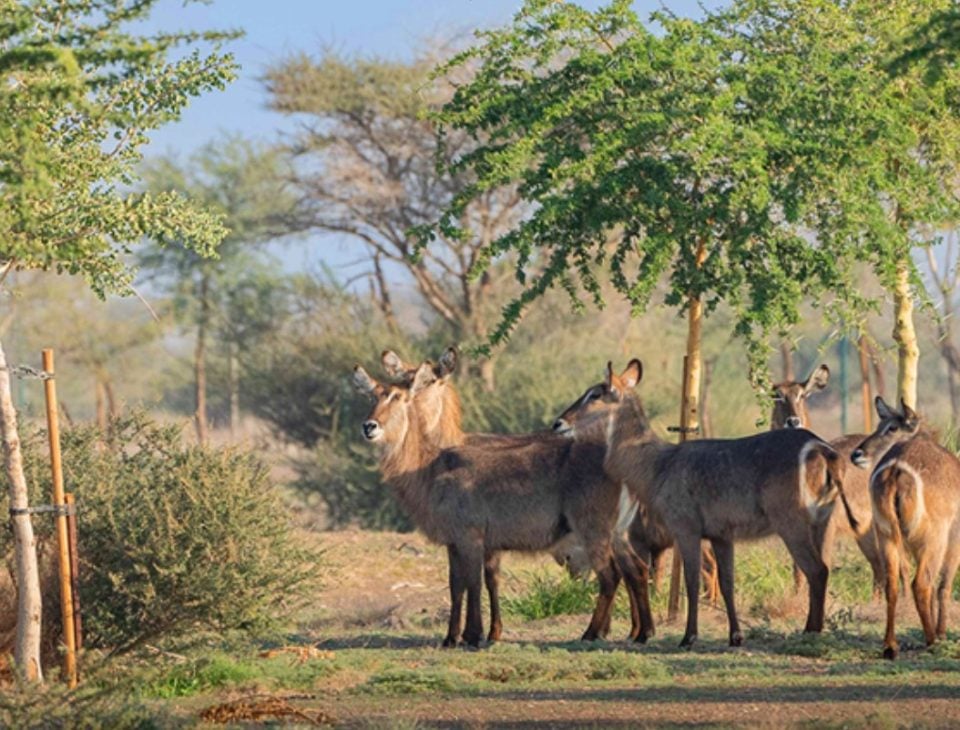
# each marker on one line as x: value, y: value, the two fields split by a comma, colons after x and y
x: 392, y: 415
x: 438, y: 402
x: 597, y: 404
x: 892, y: 429
x: 790, y: 399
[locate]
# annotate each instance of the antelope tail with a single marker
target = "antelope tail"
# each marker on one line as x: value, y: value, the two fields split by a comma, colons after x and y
x: 835, y: 473
x: 885, y: 504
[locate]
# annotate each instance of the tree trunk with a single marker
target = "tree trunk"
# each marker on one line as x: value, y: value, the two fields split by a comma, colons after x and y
x: 101, y: 396
x: 904, y: 334
x: 27, y: 650
x: 200, y: 362
x: 865, y: 395
x: 786, y: 357
x: 234, y: 390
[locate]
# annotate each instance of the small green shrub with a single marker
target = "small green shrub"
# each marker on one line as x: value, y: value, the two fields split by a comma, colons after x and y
x: 552, y: 595
x: 174, y: 537
x: 185, y: 680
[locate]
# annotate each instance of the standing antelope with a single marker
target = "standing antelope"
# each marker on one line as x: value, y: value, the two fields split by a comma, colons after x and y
x: 790, y: 411
x: 478, y: 500
x: 915, y: 489
x: 781, y: 482
x: 441, y: 414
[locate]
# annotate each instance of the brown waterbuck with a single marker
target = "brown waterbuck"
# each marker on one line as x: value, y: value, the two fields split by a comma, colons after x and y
x: 915, y: 489
x: 480, y: 500
x: 790, y: 411
x: 780, y: 482
x: 441, y: 411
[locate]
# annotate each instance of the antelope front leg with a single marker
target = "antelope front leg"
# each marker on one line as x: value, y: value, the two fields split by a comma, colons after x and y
x: 690, y: 551
x: 491, y: 576
x: 608, y: 579
x: 473, y: 577
x: 636, y: 577
x: 457, y: 586
x: 723, y: 550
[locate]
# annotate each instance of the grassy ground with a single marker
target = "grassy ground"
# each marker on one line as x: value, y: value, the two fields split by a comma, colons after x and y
x: 367, y: 654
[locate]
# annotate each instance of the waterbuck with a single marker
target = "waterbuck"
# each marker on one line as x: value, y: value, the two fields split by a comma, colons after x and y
x: 479, y: 500
x: 915, y: 490
x: 781, y: 482
x: 790, y: 411
x: 441, y: 419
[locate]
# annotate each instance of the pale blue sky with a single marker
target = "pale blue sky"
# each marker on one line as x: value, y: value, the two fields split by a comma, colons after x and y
x: 277, y: 28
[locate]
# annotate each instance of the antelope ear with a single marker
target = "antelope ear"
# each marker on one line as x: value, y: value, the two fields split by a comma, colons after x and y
x: 448, y: 361
x: 423, y: 377
x: 910, y: 418
x: 393, y: 364
x: 610, y: 380
x: 632, y: 374
x: 817, y: 380
x: 883, y: 410
x: 362, y: 381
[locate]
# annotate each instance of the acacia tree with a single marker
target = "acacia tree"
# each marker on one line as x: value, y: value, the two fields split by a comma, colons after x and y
x: 879, y: 152
x: 610, y: 131
x: 366, y: 167
x: 81, y: 90
x: 241, y: 181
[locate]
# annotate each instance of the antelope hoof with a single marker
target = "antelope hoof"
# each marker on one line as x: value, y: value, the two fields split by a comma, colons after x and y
x: 494, y: 634
x: 643, y: 636
x: 449, y: 642
x: 736, y: 639
x: 591, y: 635
x: 890, y: 652
x: 472, y: 640
x: 688, y: 641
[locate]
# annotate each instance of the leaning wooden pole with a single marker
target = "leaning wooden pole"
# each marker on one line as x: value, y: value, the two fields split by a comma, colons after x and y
x: 63, y: 535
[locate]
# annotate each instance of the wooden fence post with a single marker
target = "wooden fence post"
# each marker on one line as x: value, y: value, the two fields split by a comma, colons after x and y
x: 63, y: 538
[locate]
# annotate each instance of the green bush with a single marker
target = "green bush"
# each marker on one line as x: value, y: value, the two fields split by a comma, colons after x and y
x: 173, y: 537
x: 552, y: 595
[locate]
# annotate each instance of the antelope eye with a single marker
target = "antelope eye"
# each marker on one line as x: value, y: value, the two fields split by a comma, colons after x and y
x: 893, y: 427
x: 594, y: 394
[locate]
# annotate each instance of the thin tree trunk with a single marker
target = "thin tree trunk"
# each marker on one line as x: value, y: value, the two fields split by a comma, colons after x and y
x: 101, y: 396
x: 865, y: 395
x: 112, y: 408
x: 29, y: 606
x: 904, y: 334
x: 690, y: 418
x: 786, y: 357
x: 200, y: 362
x: 383, y: 295
x: 234, y: 391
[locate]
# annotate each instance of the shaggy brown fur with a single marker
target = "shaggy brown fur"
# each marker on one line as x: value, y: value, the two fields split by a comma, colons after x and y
x: 915, y: 488
x: 441, y: 414
x: 479, y: 500
x: 790, y: 411
x: 781, y: 482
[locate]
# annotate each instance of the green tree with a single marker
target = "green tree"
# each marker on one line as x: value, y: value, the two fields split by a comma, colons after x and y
x: 877, y: 154
x: 239, y: 180
x: 81, y: 91
x: 639, y: 162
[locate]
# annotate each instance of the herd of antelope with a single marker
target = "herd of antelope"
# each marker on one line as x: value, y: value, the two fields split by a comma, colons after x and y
x: 601, y: 491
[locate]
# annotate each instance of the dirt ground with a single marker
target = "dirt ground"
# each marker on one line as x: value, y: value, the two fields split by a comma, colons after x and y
x: 380, y: 619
